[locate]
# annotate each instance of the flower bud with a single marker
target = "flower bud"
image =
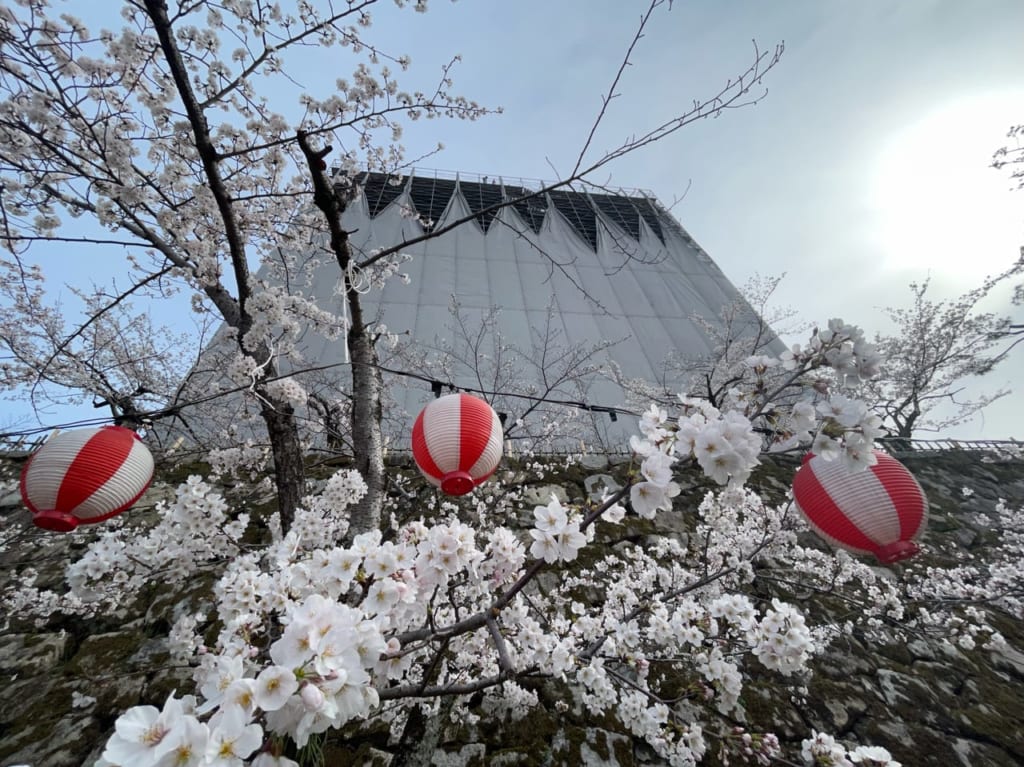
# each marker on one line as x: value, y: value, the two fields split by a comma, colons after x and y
x: 312, y: 697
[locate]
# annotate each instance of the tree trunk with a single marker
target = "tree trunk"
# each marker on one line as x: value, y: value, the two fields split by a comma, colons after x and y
x: 289, y: 467
x: 421, y: 736
x: 367, y: 436
x: 367, y: 383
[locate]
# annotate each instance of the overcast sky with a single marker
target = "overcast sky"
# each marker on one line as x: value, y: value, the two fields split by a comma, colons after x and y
x: 865, y: 167
x: 862, y: 169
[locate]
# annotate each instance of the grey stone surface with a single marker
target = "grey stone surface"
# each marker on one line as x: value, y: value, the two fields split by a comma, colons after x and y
x: 541, y: 496
x: 601, y: 748
x: 31, y: 654
x: 472, y: 753
x: 594, y: 461
x: 1009, y: 659
x: 10, y: 499
x: 598, y: 484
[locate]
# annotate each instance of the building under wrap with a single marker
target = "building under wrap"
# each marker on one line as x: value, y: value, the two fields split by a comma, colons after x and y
x: 574, y: 296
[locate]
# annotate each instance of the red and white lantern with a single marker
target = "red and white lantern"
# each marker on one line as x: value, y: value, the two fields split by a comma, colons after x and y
x: 881, y: 510
x: 457, y: 442
x: 85, y: 476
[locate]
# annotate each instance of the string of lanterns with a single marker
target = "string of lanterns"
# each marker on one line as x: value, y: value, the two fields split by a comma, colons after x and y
x: 89, y: 475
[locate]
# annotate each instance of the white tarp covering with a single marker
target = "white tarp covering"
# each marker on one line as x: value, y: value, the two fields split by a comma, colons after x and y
x: 556, y: 300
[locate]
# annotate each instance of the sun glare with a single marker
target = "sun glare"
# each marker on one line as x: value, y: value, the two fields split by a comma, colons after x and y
x: 938, y: 205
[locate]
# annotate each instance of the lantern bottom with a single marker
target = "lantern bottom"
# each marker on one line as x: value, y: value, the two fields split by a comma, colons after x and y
x: 457, y: 483
x: 58, y: 521
x: 894, y: 552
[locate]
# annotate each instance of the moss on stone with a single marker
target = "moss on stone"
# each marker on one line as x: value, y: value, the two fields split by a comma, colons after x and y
x: 599, y: 742
x: 363, y: 754
x: 37, y: 715
x: 104, y: 654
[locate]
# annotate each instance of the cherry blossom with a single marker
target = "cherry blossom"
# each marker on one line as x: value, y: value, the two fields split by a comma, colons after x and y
x: 232, y: 738
x: 144, y: 735
x: 555, y: 538
x: 274, y: 686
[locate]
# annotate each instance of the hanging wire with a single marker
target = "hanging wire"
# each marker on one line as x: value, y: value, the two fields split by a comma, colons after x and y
x: 436, y: 385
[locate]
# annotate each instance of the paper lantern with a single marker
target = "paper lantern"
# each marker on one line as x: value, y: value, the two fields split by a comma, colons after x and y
x: 85, y: 476
x: 457, y: 442
x: 881, y: 510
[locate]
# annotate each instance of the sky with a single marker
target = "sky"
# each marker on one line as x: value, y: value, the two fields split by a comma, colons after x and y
x: 863, y: 168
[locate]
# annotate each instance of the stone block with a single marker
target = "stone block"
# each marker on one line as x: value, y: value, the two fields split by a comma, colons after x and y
x: 470, y: 754
x: 30, y: 654
x: 598, y: 485
x: 541, y: 495
x: 1009, y: 659
x: 594, y: 461
x: 604, y: 748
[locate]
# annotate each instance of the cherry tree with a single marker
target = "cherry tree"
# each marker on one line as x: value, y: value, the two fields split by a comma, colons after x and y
x: 916, y: 380
x: 746, y: 336
x: 160, y: 137
x: 937, y: 347
x: 316, y: 635
x: 117, y: 359
x: 1011, y: 155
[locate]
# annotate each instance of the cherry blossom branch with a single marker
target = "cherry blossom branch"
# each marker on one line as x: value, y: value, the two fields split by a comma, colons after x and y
x: 504, y: 661
x: 157, y: 10
x: 731, y: 96
x: 98, y: 314
x: 270, y: 50
x: 479, y: 620
x: 13, y: 238
x: 611, y: 94
x: 438, y: 691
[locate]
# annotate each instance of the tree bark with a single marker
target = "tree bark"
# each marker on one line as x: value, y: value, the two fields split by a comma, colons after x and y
x: 367, y: 383
x: 367, y: 436
x: 289, y: 466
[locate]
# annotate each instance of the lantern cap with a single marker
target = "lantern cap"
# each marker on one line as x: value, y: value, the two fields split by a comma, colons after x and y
x: 57, y: 521
x: 897, y: 551
x: 457, y: 483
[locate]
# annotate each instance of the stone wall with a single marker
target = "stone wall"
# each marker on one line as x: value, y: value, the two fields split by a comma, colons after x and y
x: 928, y: 704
